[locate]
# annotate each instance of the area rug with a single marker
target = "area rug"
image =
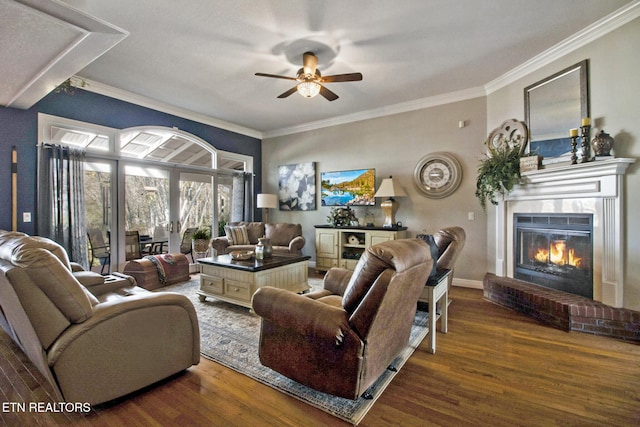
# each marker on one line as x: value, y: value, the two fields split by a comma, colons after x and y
x: 230, y: 336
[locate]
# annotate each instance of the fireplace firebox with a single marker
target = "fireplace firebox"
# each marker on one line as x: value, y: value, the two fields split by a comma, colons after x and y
x: 555, y: 251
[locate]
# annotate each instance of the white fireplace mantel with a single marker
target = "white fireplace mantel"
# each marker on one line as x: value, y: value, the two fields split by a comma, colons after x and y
x: 595, y: 187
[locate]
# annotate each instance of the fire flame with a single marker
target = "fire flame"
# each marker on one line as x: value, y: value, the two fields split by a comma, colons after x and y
x: 557, y: 254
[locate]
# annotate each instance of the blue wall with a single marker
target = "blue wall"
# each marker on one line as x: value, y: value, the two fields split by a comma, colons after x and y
x: 19, y: 128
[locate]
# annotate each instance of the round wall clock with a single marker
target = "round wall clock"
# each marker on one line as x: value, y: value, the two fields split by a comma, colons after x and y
x: 438, y: 175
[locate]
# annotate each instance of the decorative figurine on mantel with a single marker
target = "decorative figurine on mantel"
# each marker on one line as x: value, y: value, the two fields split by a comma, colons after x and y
x: 573, y: 133
x: 585, y: 129
x: 602, y: 144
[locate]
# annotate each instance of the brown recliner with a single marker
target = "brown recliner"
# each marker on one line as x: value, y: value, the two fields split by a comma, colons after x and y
x: 341, y: 339
x: 450, y: 241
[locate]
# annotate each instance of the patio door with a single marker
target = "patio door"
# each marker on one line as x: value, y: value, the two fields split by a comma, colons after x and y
x: 147, y: 202
x: 195, y: 207
x: 100, y: 216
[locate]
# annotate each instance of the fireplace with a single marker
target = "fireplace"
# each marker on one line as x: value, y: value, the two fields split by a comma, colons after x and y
x: 555, y: 250
x: 595, y: 189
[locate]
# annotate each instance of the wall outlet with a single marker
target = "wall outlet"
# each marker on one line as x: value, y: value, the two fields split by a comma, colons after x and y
x: 471, y: 216
x: 26, y: 216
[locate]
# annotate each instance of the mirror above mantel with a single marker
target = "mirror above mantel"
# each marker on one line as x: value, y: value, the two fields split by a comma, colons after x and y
x: 553, y: 106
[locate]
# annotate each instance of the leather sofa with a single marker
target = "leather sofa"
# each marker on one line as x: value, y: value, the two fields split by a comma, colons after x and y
x: 341, y: 339
x: 285, y: 238
x: 97, y: 342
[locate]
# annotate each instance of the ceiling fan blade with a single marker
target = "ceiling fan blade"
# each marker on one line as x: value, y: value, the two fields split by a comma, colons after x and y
x: 275, y: 76
x: 289, y: 92
x: 330, y: 96
x: 351, y: 77
x: 309, y: 63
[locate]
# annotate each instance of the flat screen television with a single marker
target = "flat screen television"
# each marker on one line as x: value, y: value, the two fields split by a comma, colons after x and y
x: 354, y: 187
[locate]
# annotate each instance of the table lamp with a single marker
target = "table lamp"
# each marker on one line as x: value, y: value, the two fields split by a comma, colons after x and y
x: 266, y: 201
x: 389, y: 188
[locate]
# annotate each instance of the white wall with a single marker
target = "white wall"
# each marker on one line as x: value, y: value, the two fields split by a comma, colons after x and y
x: 393, y: 145
x: 615, y: 107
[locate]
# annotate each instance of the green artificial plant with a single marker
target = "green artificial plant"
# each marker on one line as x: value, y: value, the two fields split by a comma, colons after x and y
x: 201, y: 239
x: 498, y: 172
x: 203, y: 233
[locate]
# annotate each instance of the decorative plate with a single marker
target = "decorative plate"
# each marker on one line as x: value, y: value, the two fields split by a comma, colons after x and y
x: 510, y: 132
x: 241, y: 255
x: 438, y: 175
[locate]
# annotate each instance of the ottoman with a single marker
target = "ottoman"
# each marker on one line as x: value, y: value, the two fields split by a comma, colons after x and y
x: 156, y: 271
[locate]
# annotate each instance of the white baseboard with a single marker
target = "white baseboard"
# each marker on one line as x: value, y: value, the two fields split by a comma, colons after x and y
x: 466, y: 283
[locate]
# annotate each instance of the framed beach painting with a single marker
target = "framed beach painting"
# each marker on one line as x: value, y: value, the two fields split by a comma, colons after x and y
x: 297, y: 187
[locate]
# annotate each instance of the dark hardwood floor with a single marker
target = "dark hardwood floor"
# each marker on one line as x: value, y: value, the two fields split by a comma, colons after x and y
x: 495, y: 367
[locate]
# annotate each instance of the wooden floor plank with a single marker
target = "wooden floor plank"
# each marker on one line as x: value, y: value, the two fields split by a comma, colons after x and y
x: 495, y: 367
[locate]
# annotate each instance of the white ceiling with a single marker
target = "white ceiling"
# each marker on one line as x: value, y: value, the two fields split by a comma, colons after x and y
x: 200, y: 56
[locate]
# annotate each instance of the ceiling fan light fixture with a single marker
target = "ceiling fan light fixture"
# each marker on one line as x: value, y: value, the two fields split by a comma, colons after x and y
x: 308, y: 89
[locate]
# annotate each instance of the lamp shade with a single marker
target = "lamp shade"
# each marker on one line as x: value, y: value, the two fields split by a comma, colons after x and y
x: 389, y: 188
x: 267, y: 201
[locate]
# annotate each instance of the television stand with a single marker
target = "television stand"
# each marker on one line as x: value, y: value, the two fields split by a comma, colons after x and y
x: 343, y: 246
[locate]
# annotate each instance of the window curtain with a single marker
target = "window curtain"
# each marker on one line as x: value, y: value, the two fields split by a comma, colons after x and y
x: 242, y: 197
x: 61, y: 209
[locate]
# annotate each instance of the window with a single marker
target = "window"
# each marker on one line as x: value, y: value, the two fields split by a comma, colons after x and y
x: 149, y: 179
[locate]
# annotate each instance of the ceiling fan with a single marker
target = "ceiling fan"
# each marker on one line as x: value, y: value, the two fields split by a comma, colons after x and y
x: 309, y: 79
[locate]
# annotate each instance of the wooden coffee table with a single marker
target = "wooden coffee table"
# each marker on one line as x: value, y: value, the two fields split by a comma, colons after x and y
x: 236, y: 281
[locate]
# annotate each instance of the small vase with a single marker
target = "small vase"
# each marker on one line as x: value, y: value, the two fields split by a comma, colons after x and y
x: 369, y: 218
x: 260, y: 250
x: 602, y: 144
x: 267, y: 247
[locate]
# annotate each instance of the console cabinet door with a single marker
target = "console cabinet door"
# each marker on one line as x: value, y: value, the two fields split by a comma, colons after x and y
x: 374, y: 237
x: 326, y: 249
x: 327, y: 243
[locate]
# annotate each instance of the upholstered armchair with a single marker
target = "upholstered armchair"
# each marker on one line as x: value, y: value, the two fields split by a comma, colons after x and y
x: 93, y: 341
x: 341, y: 339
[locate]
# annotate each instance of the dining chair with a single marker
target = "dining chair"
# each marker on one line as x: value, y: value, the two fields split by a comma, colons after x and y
x: 160, y: 240
x: 99, y: 249
x: 132, y: 245
x: 186, y: 247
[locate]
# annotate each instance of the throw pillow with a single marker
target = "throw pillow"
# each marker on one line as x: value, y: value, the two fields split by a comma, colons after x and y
x: 237, y: 234
x: 434, y: 250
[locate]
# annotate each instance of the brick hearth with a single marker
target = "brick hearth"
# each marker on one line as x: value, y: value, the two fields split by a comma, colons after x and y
x: 562, y: 310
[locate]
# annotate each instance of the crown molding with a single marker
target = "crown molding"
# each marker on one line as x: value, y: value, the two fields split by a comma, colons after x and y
x: 593, y: 32
x: 49, y: 41
x: 123, y: 95
x: 134, y: 98
x: 389, y: 110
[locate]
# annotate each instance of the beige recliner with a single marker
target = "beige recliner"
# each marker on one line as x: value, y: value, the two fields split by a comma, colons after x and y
x: 91, y: 345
